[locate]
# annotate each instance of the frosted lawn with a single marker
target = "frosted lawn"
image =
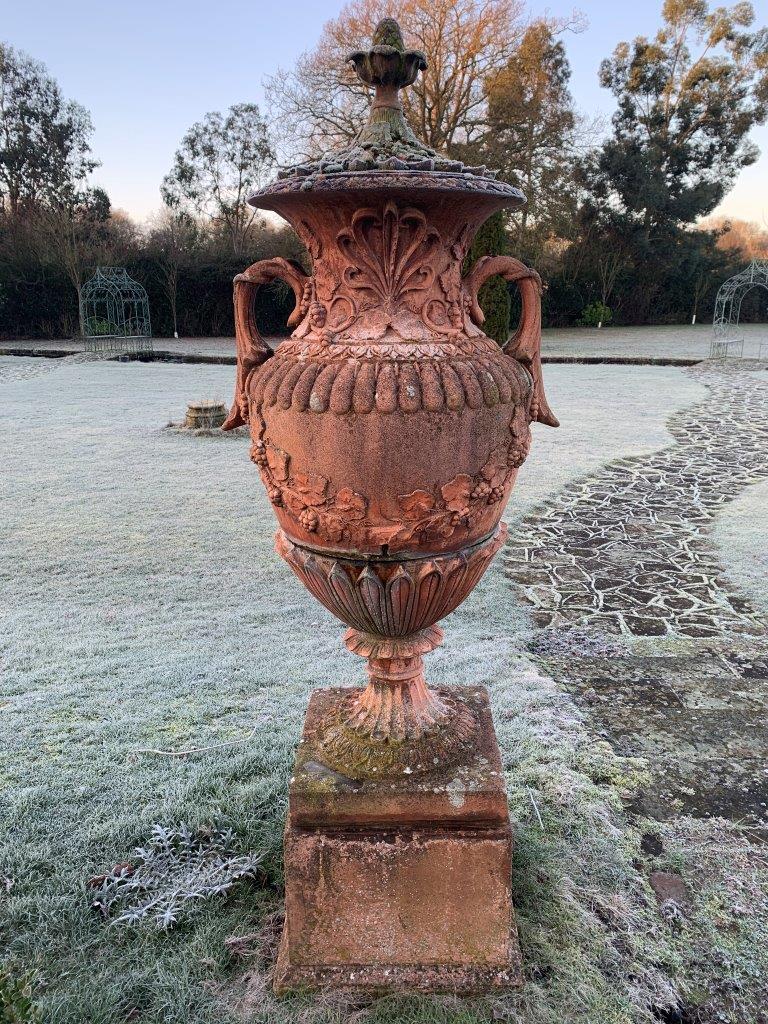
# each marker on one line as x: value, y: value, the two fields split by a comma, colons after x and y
x: 143, y: 606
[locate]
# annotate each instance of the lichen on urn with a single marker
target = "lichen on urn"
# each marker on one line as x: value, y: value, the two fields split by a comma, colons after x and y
x: 387, y: 62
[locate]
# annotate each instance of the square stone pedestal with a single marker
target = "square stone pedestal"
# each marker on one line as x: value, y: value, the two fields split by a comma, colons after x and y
x: 399, y: 884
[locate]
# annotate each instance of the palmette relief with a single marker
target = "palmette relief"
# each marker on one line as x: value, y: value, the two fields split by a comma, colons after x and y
x: 391, y: 269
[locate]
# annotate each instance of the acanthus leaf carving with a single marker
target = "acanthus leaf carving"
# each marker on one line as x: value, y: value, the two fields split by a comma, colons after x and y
x: 391, y: 254
x: 416, y: 504
x: 456, y: 492
x: 312, y: 488
x: 277, y: 461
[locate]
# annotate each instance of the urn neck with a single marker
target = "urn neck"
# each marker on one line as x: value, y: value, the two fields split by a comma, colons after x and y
x: 385, y: 101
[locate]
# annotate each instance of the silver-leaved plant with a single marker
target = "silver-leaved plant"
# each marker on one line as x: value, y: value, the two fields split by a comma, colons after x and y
x: 169, y: 879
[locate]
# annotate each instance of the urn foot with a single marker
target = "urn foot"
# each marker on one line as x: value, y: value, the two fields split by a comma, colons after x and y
x: 397, y: 704
x: 391, y: 606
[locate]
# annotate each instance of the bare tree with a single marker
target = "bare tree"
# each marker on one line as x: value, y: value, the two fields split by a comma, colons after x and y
x: 173, y: 240
x: 220, y: 161
x: 608, y: 266
x: 82, y: 233
x: 747, y: 237
x: 465, y: 41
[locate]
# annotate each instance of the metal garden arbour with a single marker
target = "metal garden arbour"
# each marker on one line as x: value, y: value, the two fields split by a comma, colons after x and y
x: 114, y: 312
x: 727, y: 338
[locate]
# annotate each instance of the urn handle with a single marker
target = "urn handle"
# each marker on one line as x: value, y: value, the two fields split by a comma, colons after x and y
x: 525, y: 343
x: 252, y: 350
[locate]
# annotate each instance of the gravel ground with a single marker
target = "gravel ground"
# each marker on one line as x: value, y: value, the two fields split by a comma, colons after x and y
x: 143, y: 607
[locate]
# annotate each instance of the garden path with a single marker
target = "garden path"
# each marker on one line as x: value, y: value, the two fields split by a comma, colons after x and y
x: 623, y: 556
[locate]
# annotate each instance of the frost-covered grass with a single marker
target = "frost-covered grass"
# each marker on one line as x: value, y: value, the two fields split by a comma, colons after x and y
x: 671, y: 341
x: 606, y: 412
x: 741, y: 534
x: 143, y: 607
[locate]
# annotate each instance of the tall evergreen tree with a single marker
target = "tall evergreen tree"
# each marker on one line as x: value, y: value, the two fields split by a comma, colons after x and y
x: 491, y: 240
x: 687, y: 100
x: 681, y: 130
x: 45, y: 153
x: 531, y: 134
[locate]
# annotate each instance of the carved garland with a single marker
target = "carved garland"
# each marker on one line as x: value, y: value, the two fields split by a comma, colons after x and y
x: 426, y: 516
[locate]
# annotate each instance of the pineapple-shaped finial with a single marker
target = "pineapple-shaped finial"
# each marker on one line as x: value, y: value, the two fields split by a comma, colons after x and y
x: 388, y: 66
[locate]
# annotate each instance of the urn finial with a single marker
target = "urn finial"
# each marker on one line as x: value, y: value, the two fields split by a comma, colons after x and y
x: 388, y: 33
x: 388, y: 66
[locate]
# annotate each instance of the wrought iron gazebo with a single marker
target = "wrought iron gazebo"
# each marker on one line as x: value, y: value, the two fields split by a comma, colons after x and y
x: 728, y: 339
x: 114, y: 311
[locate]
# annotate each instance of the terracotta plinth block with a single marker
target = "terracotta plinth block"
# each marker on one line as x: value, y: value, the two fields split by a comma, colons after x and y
x: 400, y: 882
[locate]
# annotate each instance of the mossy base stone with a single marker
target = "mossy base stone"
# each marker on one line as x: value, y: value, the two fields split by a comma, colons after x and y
x: 398, y: 905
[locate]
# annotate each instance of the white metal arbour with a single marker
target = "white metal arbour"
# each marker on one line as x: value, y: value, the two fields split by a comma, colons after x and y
x: 728, y: 339
x: 115, y: 313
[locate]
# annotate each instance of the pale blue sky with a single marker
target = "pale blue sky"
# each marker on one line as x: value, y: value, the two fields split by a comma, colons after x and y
x: 147, y: 71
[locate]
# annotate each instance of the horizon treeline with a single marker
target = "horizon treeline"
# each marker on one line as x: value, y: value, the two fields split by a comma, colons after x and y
x: 619, y: 215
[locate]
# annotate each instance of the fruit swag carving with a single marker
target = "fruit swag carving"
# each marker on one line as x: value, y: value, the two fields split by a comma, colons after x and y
x: 420, y: 516
x: 388, y: 430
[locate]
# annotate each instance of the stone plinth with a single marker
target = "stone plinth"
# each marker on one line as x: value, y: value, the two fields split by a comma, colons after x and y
x: 400, y: 882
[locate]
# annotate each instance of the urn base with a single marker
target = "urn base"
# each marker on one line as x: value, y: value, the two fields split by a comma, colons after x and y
x: 399, y: 884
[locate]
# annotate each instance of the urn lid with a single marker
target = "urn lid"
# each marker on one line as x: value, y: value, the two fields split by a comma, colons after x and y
x: 386, y: 155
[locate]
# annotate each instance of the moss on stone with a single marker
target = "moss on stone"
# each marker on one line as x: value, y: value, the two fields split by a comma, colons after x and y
x: 388, y: 33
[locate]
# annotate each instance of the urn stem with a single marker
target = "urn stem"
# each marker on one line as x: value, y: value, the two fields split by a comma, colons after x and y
x: 387, y: 97
x: 397, y: 704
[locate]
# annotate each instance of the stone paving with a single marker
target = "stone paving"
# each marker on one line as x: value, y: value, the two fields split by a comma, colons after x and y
x: 625, y: 554
x: 626, y: 550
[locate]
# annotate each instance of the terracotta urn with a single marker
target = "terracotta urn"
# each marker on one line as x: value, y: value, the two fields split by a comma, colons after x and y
x: 388, y: 429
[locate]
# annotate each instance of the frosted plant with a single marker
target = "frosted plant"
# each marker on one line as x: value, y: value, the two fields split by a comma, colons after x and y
x: 171, y: 877
x: 16, y: 1005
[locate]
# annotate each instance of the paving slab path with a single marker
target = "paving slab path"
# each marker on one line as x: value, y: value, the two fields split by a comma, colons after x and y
x: 625, y: 554
x: 639, y: 615
x: 626, y: 550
